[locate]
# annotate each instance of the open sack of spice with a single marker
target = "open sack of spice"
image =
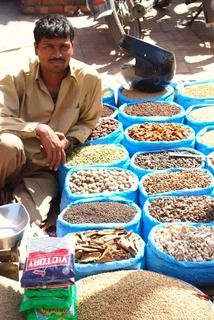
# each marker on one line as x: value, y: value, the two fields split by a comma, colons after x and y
x: 48, y: 279
x: 104, y: 250
x: 87, y: 182
x: 182, y: 250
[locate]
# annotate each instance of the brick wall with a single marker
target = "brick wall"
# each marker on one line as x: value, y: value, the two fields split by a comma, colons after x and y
x: 66, y: 7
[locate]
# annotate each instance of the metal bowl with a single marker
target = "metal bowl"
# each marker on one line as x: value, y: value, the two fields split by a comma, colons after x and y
x: 14, y: 219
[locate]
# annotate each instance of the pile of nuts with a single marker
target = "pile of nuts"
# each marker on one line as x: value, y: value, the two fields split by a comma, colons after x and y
x: 106, y: 245
x: 100, y: 180
x: 182, y: 209
x: 100, y: 212
x: 167, y: 159
x: 179, y: 180
x: 199, y: 90
x: 104, y: 127
x: 186, y: 243
x: 152, y: 109
x: 107, y: 111
x: 159, y: 132
x: 95, y: 154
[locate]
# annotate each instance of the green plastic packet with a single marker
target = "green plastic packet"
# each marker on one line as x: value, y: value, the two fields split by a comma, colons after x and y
x: 53, y: 292
x: 55, y: 314
x: 45, y: 303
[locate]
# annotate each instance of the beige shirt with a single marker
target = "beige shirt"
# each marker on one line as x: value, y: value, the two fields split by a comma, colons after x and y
x: 25, y: 102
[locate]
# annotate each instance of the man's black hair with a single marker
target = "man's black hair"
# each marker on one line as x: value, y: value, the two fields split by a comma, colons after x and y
x: 53, y: 26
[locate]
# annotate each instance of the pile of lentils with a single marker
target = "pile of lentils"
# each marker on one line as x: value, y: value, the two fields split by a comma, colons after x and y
x: 207, y: 138
x: 167, y: 159
x: 182, y: 209
x: 138, y: 94
x: 104, y: 127
x: 202, y: 114
x: 186, y: 243
x: 95, y: 154
x: 100, y: 212
x: 100, y: 180
x: 107, y: 111
x: 139, y: 295
x: 159, y: 132
x: 185, y: 179
x: 152, y: 109
x: 199, y: 90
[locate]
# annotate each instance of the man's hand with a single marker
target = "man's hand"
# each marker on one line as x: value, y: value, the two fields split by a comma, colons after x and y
x: 54, y: 145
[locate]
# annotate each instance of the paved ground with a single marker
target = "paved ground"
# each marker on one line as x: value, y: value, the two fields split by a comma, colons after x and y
x: 193, y: 46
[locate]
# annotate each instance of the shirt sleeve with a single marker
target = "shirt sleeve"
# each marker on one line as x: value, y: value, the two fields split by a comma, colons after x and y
x: 10, y: 99
x: 91, y: 110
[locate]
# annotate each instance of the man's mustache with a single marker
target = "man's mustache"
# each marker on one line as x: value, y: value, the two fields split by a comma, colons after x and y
x: 57, y: 59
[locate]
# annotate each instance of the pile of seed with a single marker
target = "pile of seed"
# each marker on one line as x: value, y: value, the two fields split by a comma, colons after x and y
x: 185, y: 179
x: 95, y: 154
x: 199, y: 90
x: 152, y: 109
x: 166, y: 160
x: 106, y: 245
x: 159, y: 132
x: 104, y: 127
x: 100, y: 212
x: 203, y: 114
x: 101, y: 180
x: 138, y: 295
x: 107, y: 111
x: 207, y: 138
x: 137, y: 94
x: 182, y: 209
x: 186, y: 243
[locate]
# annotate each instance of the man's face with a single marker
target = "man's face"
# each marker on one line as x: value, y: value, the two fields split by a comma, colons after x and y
x: 54, y: 54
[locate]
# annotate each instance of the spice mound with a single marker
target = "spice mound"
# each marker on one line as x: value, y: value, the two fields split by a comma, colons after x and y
x: 106, y: 245
x: 203, y: 114
x: 168, y: 159
x: 101, y: 180
x: 207, y: 138
x: 107, y: 111
x: 95, y: 154
x: 183, y: 209
x: 184, y: 179
x: 138, y: 295
x: 137, y: 94
x: 152, y: 109
x: 159, y: 132
x: 99, y: 212
x: 186, y: 243
x: 104, y: 127
x: 199, y: 90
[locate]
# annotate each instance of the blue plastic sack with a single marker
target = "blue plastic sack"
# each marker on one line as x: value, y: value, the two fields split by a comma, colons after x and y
x: 202, y: 147
x: 140, y: 172
x: 143, y: 195
x: 168, y: 96
x: 108, y: 96
x: 63, y: 227
x: 209, y: 162
x: 187, y: 101
x: 197, y: 125
x: 122, y: 163
x: 114, y: 137
x: 128, y: 120
x: 196, y: 273
x: 89, y: 269
x: 134, y: 146
x: 68, y: 197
